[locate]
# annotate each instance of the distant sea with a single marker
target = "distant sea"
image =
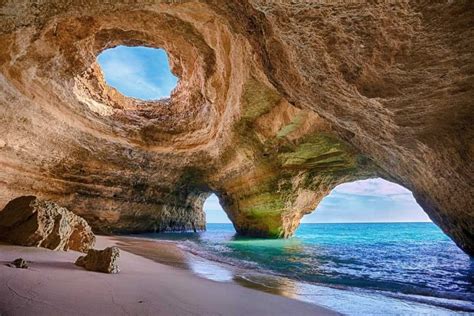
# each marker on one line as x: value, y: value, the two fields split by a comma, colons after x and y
x: 376, y: 268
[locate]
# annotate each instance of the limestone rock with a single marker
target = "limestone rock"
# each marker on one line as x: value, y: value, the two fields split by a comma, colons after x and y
x: 278, y: 102
x: 19, y: 263
x: 105, y: 260
x: 29, y: 221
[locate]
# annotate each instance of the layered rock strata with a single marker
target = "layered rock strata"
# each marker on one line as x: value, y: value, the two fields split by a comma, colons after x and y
x: 28, y: 221
x: 277, y: 103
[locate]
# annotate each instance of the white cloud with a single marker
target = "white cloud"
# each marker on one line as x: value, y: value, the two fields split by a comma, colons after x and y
x: 214, y: 211
x: 374, y: 200
x: 212, y: 204
x: 372, y: 187
x: 130, y: 75
x: 129, y: 71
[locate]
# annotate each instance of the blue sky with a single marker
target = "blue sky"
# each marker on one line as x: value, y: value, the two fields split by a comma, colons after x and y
x: 144, y: 73
x: 373, y: 200
x: 138, y: 72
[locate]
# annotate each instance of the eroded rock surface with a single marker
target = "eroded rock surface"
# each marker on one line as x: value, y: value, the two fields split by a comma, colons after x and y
x: 105, y: 260
x: 28, y: 221
x: 277, y: 103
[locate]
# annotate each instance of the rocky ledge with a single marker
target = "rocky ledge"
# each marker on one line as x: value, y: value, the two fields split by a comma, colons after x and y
x: 277, y: 103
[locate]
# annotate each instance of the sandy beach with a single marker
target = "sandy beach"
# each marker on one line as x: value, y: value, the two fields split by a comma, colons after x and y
x: 53, y: 285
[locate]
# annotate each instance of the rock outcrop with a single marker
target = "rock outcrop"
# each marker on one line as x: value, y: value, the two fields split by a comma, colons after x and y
x: 278, y: 102
x: 28, y: 221
x: 105, y: 260
x: 19, y: 263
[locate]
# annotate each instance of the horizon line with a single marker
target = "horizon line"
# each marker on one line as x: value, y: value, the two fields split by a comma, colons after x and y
x: 399, y: 222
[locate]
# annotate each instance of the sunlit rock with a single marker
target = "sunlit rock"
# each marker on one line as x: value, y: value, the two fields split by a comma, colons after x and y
x: 28, y: 221
x: 277, y: 103
x: 105, y: 260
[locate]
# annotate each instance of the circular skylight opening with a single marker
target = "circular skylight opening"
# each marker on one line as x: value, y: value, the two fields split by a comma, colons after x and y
x: 138, y: 72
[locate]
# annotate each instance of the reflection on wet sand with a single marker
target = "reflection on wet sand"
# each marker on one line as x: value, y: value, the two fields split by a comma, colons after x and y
x: 269, y: 284
x: 343, y: 300
x: 168, y: 253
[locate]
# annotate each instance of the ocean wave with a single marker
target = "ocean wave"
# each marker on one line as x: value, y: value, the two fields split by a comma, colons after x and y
x: 253, y: 273
x: 197, y: 250
x: 388, y: 268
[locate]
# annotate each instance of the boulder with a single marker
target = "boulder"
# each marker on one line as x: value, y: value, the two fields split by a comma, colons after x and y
x: 105, y: 260
x: 19, y: 263
x: 29, y: 221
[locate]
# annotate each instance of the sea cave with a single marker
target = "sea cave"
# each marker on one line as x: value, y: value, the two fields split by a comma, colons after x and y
x: 267, y: 106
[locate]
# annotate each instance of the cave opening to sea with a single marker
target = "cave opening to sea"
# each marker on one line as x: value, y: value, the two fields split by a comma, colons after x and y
x: 138, y: 72
x: 368, y: 201
x: 369, y: 235
x: 215, y: 214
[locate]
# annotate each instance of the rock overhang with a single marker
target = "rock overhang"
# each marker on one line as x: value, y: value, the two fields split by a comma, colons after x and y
x: 271, y: 111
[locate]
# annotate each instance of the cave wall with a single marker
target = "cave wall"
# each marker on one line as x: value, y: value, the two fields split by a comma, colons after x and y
x: 277, y: 103
x: 396, y: 80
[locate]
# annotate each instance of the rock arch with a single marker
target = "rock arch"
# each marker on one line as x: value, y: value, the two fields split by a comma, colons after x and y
x: 277, y: 104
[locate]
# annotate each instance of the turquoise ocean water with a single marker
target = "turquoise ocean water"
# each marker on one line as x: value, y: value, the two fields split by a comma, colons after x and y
x: 391, y: 268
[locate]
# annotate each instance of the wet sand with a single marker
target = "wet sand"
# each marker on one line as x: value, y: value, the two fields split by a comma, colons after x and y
x: 169, y: 253
x: 53, y: 285
x: 159, y: 251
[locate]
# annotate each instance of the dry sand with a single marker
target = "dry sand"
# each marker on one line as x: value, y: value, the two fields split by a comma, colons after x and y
x: 53, y: 285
